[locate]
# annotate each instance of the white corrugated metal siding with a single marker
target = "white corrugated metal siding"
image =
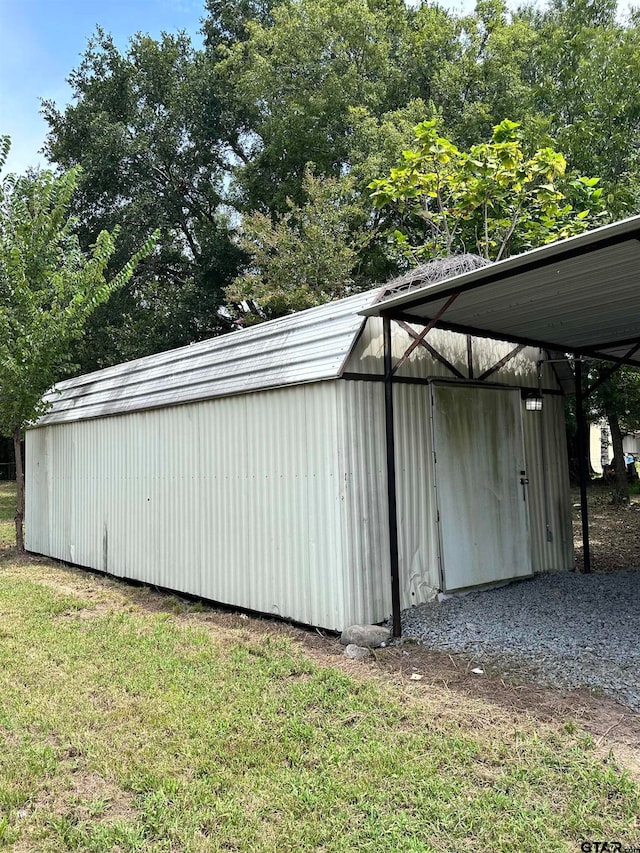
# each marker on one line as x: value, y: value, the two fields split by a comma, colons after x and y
x: 417, y: 509
x: 366, y: 541
x: 38, y: 512
x: 548, y: 494
x: 274, y: 501
x: 238, y: 500
x: 366, y: 531
x: 416, y: 496
x: 480, y: 463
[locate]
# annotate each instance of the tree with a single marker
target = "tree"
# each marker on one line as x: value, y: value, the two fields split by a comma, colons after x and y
x: 147, y: 126
x: 295, y: 75
x: 49, y: 287
x: 583, y: 70
x: 493, y: 199
x: 481, y: 74
x: 303, y: 257
x: 228, y: 22
x: 496, y: 200
x: 195, y: 140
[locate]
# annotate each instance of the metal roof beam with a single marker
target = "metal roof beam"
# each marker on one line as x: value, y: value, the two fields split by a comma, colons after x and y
x: 608, y: 373
x: 621, y: 343
x: 483, y: 333
x: 593, y: 352
x: 536, y: 263
x: 431, y: 350
x: 500, y: 364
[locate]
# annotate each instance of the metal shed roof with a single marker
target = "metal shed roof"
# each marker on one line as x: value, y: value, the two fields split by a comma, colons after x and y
x: 305, y: 347
x: 576, y: 295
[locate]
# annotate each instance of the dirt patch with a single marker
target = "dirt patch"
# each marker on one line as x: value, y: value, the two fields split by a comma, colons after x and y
x: 8, y: 738
x: 89, y: 796
x: 86, y: 613
x: 614, y: 532
x: 92, y: 788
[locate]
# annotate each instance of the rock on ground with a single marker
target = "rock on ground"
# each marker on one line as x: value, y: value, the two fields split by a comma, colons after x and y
x: 356, y: 652
x: 369, y: 636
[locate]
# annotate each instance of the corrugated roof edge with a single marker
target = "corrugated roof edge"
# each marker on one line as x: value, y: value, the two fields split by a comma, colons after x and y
x: 265, y: 338
x: 270, y: 328
x: 592, y: 239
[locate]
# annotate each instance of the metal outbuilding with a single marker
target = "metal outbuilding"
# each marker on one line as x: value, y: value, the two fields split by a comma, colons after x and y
x: 253, y: 469
x: 574, y: 296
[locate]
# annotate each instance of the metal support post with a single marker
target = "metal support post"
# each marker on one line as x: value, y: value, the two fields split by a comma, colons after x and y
x: 582, y: 467
x: 391, y: 479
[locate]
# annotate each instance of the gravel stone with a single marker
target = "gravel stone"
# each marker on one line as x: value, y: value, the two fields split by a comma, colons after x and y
x: 565, y: 630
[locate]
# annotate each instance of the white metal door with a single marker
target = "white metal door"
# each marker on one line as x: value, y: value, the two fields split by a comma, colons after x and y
x: 481, y: 485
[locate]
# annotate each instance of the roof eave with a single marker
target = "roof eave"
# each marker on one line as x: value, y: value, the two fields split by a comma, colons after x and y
x: 557, y: 252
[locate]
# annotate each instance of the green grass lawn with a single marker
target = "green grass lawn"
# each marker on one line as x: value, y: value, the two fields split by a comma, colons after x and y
x: 7, y: 510
x: 130, y: 721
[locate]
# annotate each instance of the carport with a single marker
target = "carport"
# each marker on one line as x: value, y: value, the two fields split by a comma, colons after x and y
x: 575, y: 297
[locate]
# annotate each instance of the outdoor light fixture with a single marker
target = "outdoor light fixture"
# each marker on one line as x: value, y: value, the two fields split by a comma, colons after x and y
x: 533, y: 401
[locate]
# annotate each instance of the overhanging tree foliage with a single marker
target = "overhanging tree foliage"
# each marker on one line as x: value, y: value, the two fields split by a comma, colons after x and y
x: 494, y: 199
x: 195, y: 140
x: 49, y: 288
x: 295, y: 76
x: 583, y: 73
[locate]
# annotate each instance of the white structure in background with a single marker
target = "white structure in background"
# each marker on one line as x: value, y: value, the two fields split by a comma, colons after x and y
x: 601, y: 448
x: 251, y: 469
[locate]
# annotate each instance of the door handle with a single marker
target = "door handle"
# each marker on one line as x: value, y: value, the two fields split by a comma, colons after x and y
x: 524, y: 482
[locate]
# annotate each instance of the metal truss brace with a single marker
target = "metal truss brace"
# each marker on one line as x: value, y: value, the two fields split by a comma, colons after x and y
x: 421, y: 336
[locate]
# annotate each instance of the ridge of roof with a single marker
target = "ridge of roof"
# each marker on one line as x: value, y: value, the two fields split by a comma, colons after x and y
x: 308, y: 346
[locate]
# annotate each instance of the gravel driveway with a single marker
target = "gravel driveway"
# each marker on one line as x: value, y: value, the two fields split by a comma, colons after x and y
x: 565, y: 630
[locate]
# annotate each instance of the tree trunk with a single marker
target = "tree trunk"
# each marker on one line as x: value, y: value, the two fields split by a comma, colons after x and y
x: 620, y: 493
x: 19, y: 516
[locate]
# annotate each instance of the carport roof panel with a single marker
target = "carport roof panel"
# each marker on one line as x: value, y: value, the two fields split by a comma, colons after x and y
x: 577, y: 295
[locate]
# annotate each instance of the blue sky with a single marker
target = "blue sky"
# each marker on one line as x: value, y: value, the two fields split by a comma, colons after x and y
x: 41, y: 41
